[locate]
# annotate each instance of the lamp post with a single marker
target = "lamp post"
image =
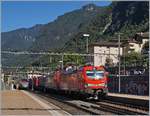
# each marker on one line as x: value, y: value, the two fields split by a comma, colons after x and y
x: 86, y: 35
x: 124, y: 61
x: 62, y: 61
x: 119, y: 59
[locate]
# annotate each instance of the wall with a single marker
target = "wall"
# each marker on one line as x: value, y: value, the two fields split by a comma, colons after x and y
x: 134, y: 47
x: 136, y: 85
x: 102, y: 52
x: 137, y: 47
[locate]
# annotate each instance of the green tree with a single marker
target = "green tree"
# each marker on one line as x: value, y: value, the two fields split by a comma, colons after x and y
x: 78, y: 60
x: 132, y: 59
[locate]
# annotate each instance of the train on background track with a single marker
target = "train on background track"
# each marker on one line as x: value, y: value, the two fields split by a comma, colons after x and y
x: 23, y: 84
x: 88, y: 81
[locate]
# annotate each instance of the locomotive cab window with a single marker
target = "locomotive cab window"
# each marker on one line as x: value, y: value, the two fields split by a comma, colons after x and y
x: 90, y: 73
x: 95, y: 74
x: 99, y: 74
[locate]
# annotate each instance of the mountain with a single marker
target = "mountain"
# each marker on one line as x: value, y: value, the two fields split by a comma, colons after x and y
x: 65, y: 34
x: 20, y: 39
x: 55, y: 34
x: 52, y: 35
x: 129, y: 17
x: 125, y: 17
x: 47, y: 37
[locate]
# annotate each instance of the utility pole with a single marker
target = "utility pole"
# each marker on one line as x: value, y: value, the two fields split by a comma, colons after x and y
x: 50, y: 63
x: 124, y: 62
x: 50, y: 59
x: 32, y: 79
x: 87, y: 42
x: 119, y: 60
x: 62, y: 59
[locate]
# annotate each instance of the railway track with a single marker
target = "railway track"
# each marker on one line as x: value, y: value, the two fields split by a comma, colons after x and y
x: 79, y: 107
x: 102, y: 107
x: 121, y: 108
x: 120, y: 104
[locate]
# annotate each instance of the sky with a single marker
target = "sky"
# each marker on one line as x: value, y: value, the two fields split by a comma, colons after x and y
x: 25, y: 14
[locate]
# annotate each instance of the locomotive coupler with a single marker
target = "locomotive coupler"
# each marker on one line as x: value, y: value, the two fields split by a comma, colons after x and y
x: 95, y: 94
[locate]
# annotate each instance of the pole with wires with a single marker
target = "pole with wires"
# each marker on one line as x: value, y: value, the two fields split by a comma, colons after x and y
x: 119, y: 61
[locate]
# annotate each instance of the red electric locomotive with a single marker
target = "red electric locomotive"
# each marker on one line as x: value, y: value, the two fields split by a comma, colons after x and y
x: 88, y: 80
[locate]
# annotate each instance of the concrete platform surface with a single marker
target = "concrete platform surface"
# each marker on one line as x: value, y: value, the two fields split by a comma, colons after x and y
x: 19, y: 102
x: 129, y: 96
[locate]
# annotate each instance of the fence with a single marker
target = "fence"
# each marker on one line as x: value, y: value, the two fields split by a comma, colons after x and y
x: 138, y: 70
x: 133, y: 84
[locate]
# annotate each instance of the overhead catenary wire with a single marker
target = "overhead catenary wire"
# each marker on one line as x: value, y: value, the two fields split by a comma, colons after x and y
x: 19, y: 67
x: 52, y: 53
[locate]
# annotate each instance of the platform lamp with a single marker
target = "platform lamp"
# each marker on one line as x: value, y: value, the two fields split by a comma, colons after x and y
x: 61, y: 61
x: 86, y: 35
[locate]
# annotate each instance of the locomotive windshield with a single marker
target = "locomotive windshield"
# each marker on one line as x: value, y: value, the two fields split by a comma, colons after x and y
x: 90, y: 74
x: 95, y: 74
x: 99, y: 74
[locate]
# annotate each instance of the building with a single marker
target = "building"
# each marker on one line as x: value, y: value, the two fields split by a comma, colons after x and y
x: 106, y: 52
x: 137, y: 42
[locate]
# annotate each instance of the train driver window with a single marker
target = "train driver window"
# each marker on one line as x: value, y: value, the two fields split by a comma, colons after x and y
x: 90, y: 74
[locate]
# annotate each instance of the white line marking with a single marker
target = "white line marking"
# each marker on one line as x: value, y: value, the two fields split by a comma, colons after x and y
x: 24, y: 115
x: 46, y: 106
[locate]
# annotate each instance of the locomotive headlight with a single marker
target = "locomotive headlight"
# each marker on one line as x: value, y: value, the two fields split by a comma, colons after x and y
x: 97, y: 77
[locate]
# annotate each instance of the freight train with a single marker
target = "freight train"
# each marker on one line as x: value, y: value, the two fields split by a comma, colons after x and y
x: 88, y: 81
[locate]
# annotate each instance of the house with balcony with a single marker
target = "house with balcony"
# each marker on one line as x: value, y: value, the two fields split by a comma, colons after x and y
x: 137, y: 42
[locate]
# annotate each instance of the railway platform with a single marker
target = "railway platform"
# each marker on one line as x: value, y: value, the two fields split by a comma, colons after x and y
x: 20, y: 102
x: 129, y: 96
x: 130, y: 99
